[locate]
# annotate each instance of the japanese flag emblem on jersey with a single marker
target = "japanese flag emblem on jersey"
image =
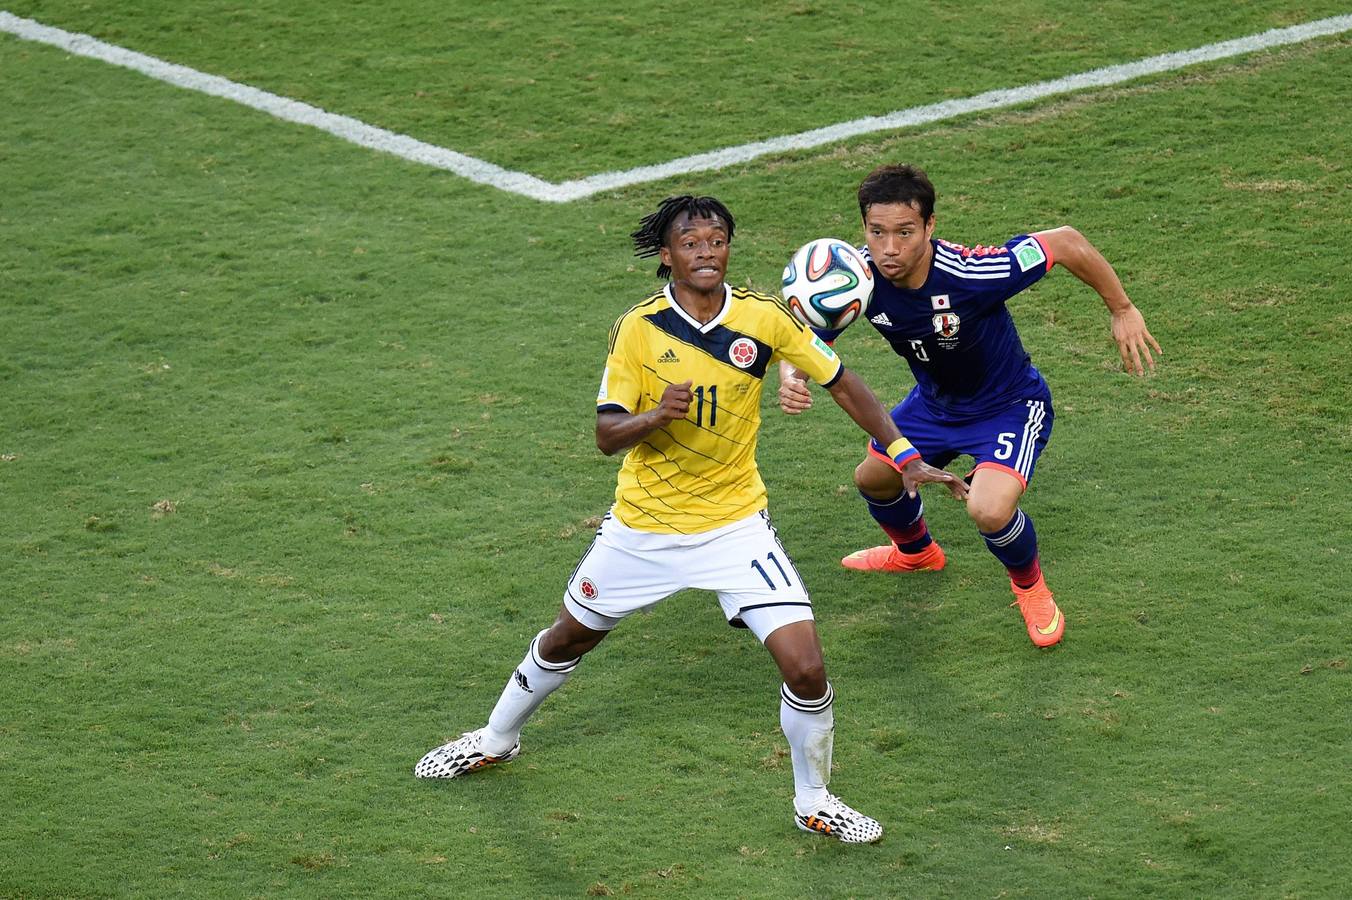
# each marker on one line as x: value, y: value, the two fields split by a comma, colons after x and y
x: 742, y: 353
x: 940, y: 301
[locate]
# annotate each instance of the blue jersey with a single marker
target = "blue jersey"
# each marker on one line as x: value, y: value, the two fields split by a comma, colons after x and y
x: 956, y: 333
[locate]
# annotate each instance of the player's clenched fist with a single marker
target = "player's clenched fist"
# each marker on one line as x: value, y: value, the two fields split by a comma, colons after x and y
x: 675, y: 402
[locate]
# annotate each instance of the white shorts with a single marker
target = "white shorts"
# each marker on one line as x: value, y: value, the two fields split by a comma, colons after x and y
x: 626, y: 570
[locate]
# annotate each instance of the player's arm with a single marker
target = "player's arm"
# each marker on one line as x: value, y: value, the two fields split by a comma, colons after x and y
x: 618, y: 430
x: 1082, y: 259
x: 861, y: 404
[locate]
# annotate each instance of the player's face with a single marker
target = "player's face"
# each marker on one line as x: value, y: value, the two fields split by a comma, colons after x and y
x: 697, y: 251
x: 899, y: 242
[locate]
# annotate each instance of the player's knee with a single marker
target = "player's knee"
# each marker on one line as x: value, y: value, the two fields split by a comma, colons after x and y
x: 806, y: 678
x: 989, y: 516
x: 876, y: 479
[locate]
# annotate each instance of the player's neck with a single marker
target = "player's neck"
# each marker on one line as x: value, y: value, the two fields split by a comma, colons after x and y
x: 702, y: 306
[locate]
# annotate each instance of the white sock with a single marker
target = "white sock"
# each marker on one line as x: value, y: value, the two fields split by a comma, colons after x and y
x: 533, y: 681
x: 810, y: 727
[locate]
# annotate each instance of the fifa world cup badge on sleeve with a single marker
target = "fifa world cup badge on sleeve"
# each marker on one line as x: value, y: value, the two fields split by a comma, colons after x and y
x: 1029, y: 253
x: 605, y: 376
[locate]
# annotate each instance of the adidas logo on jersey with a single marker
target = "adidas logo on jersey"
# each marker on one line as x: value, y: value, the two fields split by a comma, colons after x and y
x: 881, y: 319
x: 669, y: 356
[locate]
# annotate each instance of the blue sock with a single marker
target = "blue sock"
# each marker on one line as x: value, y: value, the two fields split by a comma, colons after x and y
x: 1015, y: 545
x: 903, y: 519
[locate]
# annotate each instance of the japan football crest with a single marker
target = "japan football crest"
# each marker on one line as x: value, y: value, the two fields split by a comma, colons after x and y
x: 946, y: 326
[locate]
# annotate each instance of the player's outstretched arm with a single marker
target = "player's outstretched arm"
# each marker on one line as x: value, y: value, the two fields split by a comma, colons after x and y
x: 861, y: 404
x: 616, y: 431
x: 1082, y: 259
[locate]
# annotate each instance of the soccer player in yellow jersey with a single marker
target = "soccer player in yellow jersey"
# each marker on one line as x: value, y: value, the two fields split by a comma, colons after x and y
x: 681, y: 393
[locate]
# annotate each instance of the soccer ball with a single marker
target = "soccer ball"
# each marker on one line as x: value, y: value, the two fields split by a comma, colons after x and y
x: 827, y: 284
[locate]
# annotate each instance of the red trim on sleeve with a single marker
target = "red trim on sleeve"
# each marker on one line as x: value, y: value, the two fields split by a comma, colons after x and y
x: 1047, y: 252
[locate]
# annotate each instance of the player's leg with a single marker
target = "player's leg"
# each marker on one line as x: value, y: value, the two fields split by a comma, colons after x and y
x: 901, y: 517
x: 805, y: 711
x: 612, y: 581
x: 535, y: 678
x: 761, y: 591
x: 1004, y: 466
x: 549, y: 660
x: 807, y: 717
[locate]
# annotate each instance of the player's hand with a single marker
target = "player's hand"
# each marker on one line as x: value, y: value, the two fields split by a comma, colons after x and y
x: 794, y: 396
x: 675, y: 403
x: 1133, y: 340
x: 917, y: 472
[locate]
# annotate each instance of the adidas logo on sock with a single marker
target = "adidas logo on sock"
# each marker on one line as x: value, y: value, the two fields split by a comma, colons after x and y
x: 669, y: 356
x: 881, y: 319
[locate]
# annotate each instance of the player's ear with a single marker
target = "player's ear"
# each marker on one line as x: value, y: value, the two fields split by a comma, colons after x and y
x: 664, y: 254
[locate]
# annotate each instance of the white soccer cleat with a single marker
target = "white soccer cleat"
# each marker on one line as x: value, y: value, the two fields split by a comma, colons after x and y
x: 460, y: 756
x: 835, y: 819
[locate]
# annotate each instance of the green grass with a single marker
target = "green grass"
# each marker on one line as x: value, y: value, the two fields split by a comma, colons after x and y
x: 565, y: 90
x: 360, y: 393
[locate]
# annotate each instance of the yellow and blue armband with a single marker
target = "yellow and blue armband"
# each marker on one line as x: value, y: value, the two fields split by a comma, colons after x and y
x: 901, y: 452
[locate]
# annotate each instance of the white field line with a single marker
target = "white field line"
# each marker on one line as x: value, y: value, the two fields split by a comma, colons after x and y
x: 528, y: 185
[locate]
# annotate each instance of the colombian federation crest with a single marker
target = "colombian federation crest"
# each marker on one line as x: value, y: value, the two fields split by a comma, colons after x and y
x: 742, y: 353
x: 588, y: 589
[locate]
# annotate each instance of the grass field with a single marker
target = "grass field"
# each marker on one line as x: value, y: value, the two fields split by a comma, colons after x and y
x: 297, y: 455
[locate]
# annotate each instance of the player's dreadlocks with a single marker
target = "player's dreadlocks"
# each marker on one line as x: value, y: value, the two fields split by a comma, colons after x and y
x: 653, y: 229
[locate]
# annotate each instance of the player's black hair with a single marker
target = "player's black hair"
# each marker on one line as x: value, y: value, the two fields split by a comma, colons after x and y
x: 898, y: 184
x: 654, y: 229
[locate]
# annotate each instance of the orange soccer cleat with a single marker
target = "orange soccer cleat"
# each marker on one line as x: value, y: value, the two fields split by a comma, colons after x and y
x: 1040, y: 613
x: 888, y: 558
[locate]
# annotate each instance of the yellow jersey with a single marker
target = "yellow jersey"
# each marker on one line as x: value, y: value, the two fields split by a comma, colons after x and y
x: 699, y: 473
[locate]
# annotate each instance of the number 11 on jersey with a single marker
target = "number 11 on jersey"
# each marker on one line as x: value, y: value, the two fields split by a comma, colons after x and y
x: 712, y: 393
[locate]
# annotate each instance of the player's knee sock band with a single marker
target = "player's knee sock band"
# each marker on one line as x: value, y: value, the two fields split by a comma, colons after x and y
x: 903, y: 520
x: 533, y: 681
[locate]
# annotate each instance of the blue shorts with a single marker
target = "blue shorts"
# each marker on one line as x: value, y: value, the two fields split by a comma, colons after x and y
x: 1011, y: 440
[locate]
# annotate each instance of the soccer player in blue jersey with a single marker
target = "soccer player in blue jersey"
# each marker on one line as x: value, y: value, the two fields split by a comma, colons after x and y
x: 681, y: 394
x: 941, y: 306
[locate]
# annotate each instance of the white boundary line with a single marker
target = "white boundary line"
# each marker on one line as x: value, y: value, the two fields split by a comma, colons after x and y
x: 529, y: 186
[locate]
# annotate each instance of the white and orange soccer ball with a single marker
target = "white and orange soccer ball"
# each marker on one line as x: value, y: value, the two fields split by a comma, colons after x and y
x: 828, y: 284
